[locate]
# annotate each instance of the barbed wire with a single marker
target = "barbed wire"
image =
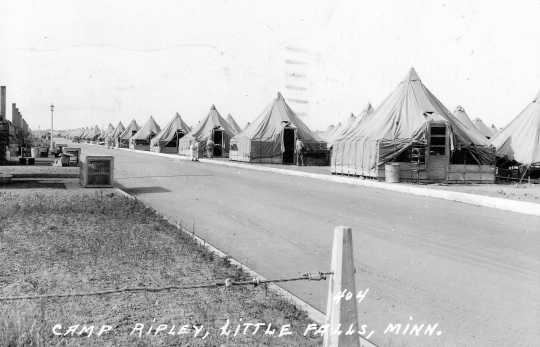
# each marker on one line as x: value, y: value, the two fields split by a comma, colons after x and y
x: 228, y: 282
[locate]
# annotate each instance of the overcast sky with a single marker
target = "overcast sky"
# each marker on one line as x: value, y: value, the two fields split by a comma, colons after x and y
x: 104, y: 61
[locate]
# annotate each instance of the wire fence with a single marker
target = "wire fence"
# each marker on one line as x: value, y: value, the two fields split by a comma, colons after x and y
x: 226, y: 283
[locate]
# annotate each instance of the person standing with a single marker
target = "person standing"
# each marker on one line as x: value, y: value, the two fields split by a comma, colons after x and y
x: 194, y: 151
x: 299, y: 148
x: 209, y: 148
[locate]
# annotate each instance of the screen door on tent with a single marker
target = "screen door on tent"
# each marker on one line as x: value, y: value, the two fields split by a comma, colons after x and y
x: 438, y: 152
x: 218, y: 142
x: 288, y: 144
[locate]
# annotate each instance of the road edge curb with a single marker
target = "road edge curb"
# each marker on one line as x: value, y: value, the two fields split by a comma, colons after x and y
x: 522, y: 207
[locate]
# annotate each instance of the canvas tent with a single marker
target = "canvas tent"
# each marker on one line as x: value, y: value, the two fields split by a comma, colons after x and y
x: 166, y: 141
x: 415, y: 132
x: 336, y: 129
x: 461, y: 115
x: 214, y: 127
x: 342, y: 129
x: 123, y: 139
x: 483, y: 128
x: 94, y: 134
x: 271, y: 137
x: 108, y: 133
x: 141, y: 139
x: 115, y: 134
x: 325, y: 134
x: 519, y: 141
x: 233, y: 124
x: 362, y: 117
x: 494, y: 130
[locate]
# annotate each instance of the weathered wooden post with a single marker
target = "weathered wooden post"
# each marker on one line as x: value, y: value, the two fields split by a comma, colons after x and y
x: 340, y: 312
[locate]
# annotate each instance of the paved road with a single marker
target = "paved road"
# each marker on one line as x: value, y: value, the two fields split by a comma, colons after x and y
x: 473, y: 270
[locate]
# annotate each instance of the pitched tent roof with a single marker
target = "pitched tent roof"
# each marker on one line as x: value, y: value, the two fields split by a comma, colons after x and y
x: 202, y: 131
x: 267, y: 129
x: 520, y: 140
x: 109, y: 131
x: 95, y: 132
x: 494, y: 129
x: 233, y: 124
x: 360, y: 119
x: 483, y: 128
x: 464, y: 118
x: 127, y: 133
x: 268, y: 125
x: 326, y: 133
x: 118, y: 130
x: 149, y: 130
x: 168, y: 133
x: 334, y: 130
x: 338, y: 133
x: 399, y: 122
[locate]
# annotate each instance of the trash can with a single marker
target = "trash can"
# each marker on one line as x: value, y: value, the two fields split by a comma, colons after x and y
x: 97, y: 171
x: 391, y: 173
x: 34, y: 152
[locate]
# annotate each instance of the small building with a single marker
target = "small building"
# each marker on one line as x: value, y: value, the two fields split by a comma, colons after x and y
x: 167, y: 139
x: 413, y: 130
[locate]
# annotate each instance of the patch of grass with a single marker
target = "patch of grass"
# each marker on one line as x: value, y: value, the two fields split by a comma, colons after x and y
x: 65, y: 241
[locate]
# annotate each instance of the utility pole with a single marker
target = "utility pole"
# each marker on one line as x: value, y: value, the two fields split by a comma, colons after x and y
x: 52, y: 111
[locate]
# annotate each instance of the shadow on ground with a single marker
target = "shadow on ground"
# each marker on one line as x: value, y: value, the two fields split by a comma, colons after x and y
x: 143, y: 190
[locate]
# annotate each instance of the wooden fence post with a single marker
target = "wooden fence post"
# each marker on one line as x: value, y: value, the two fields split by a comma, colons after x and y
x: 340, y: 312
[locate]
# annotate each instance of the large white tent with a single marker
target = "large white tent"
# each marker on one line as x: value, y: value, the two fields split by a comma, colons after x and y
x: 271, y: 138
x: 464, y: 118
x: 519, y: 141
x: 414, y: 129
x: 167, y: 139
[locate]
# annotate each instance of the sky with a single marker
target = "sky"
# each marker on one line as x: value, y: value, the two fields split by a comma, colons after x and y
x: 107, y: 61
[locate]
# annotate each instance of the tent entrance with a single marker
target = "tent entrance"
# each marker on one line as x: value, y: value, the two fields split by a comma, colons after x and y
x: 174, y: 142
x: 217, y: 137
x: 288, y: 145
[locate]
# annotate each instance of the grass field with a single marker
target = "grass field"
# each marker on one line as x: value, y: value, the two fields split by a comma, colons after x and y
x: 72, y: 240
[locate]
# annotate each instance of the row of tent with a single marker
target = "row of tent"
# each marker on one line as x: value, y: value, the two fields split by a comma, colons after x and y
x: 134, y: 135
x: 334, y: 132
x: 413, y: 128
x: 270, y: 138
x: 410, y: 127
